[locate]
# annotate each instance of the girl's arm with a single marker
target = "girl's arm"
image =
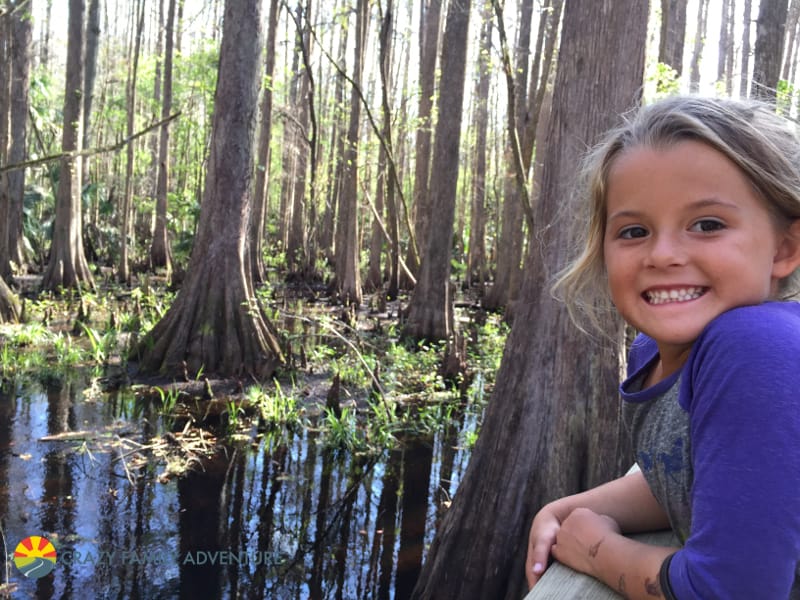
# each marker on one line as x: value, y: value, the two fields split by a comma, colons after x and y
x: 628, y: 501
x: 592, y: 544
x: 745, y: 426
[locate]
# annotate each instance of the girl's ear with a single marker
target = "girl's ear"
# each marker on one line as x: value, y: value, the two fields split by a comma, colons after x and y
x: 787, y: 257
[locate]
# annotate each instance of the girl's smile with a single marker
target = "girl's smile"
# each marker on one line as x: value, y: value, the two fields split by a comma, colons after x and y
x: 687, y: 238
x: 673, y: 294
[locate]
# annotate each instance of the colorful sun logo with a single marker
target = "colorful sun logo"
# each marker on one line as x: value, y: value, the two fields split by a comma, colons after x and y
x: 35, y: 556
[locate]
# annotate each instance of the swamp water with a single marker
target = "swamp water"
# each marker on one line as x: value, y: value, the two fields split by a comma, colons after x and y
x: 265, y: 517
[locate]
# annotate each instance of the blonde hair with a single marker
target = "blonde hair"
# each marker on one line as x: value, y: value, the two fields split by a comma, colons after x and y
x: 763, y: 144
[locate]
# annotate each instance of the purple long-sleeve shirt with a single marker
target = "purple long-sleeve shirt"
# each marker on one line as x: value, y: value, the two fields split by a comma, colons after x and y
x: 719, y: 443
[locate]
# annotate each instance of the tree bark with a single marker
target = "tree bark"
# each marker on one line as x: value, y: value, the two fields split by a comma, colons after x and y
x: 260, y: 200
x: 336, y: 153
x: 477, y: 272
x: 552, y: 425
x: 430, y: 313
x: 21, y: 49
x: 794, y: 58
x: 5, y: 103
x: 673, y: 34
x: 90, y: 74
x: 44, y: 50
x: 67, y: 267
x: 296, y: 251
x: 215, y: 324
x: 770, y: 28
x: 348, y: 278
x: 9, y: 305
x: 384, y: 195
x: 510, y: 243
x: 699, y: 42
x: 791, y: 35
x: 730, y: 56
x: 158, y: 83
x: 160, y: 251
x: 291, y: 141
x: 744, y: 75
x: 724, y: 28
x: 126, y: 232
x: 540, y: 78
x: 430, y: 17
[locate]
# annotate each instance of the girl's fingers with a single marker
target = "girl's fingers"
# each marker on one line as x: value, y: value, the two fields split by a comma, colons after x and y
x: 537, y: 561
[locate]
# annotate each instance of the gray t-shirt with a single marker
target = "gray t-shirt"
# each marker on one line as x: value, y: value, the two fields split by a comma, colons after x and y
x: 659, y: 430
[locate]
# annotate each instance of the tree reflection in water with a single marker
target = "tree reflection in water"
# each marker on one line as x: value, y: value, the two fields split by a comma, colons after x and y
x: 275, y: 516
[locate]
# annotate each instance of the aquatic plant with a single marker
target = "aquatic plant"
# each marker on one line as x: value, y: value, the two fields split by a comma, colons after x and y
x: 276, y: 409
x: 342, y: 431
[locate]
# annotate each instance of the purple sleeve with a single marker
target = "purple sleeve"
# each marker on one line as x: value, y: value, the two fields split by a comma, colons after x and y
x: 742, y: 389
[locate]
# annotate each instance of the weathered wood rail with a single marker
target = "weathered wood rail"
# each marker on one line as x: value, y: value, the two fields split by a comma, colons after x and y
x: 562, y: 583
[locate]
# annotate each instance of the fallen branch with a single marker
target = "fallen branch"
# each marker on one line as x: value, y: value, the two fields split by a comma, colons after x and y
x: 89, y: 151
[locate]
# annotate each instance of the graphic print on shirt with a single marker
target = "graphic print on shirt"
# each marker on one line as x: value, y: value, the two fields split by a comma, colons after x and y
x: 665, y: 461
x: 671, y: 464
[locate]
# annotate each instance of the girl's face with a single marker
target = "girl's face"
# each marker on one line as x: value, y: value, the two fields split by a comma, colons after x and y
x: 687, y: 239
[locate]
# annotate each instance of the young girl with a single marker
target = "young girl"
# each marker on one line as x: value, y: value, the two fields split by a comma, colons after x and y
x: 694, y: 238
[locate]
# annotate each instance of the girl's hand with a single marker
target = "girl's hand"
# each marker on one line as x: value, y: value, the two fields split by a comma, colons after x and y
x: 544, y: 530
x: 581, y: 537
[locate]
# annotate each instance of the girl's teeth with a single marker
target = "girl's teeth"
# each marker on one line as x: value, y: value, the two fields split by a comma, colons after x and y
x: 677, y: 295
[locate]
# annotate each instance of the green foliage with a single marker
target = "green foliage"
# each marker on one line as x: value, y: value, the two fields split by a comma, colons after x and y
x: 401, y: 386
x: 342, y: 432
x: 149, y: 305
x: 234, y: 416
x: 46, y: 118
x: 276, y: 409
x: 90, y: 331
x: 66, y: 352
x: 354, y: 370
x: 16, y: 362
x: 32, y: 349
x: 784, y: 94
x: 665, y: 79
x: 413, y: 369
x: 470, y: 438
x: 37, y: 219
x: 168, y: 398
x: 485, y: 356
x: 382, y: 424
x: 458, y: 269
x: 274, y: 258
x: 102, y: 345
x: 28, y: 334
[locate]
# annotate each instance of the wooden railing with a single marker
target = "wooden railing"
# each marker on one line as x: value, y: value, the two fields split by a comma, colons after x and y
x: 562, y: 583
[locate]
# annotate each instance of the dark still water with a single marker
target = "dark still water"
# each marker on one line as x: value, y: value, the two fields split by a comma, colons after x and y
x: 265, y: 517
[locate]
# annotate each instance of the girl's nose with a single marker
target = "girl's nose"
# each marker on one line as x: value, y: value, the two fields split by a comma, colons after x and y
x: 665, y: 250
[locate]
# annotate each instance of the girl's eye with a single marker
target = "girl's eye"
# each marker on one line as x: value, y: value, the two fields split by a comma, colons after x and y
x: 632, y: 232
x: 707, y: 225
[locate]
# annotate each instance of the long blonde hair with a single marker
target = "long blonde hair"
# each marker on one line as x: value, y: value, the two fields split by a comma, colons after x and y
x: 763, y: 144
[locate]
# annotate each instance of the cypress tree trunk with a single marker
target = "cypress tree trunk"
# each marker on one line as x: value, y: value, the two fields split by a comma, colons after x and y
x: 770, y: 29
x: 348, y: 277
x: 67, y: 267
x: 215, y: 324
x: 21, y: 48
x: 160, y: 252
x: 430, y: 313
